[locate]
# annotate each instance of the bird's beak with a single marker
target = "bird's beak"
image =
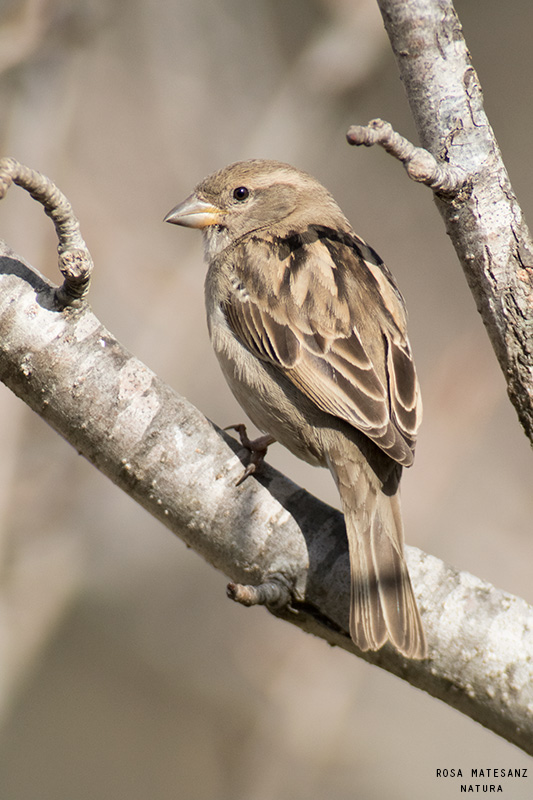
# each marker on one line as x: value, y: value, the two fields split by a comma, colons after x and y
x: 194, y: 213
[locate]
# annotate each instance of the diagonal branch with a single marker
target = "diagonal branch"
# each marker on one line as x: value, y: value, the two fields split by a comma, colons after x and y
x: 270, y: 533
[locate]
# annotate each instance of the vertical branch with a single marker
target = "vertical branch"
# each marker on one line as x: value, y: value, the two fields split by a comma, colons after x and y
x: 485, y: 224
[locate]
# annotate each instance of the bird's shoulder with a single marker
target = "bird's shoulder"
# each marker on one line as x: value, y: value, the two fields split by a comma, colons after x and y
x: 325, y: 278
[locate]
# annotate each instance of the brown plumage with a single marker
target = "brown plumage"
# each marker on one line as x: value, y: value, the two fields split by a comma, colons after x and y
x: 310, y: 330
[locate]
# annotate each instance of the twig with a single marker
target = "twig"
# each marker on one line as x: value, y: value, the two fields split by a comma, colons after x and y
x: 74, y: 261
x: 421, y: 166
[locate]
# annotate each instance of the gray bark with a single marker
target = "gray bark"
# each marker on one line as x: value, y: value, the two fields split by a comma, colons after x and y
x: 484, y: 220
x: 163, y: 452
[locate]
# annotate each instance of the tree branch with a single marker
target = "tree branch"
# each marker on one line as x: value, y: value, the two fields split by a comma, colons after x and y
x: 268, y: 533
x: 481, y: 213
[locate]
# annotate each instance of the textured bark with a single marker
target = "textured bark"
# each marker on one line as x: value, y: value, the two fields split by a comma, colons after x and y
x: 174, y: 462
x: 484, y: 221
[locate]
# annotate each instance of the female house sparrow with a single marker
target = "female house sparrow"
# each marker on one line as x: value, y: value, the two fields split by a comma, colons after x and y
x: 310, y: 331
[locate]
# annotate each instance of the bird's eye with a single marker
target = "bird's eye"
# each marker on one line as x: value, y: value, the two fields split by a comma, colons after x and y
x: 241, y: 193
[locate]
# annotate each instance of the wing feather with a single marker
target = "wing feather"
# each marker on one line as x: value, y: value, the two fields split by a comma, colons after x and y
x: 333, y: 321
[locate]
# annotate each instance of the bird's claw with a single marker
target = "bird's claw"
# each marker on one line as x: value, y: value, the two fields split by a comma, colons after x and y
x: 250, y: 469
x: 256, y: 447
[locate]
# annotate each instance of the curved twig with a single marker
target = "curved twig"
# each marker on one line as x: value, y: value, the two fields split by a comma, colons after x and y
x: 74, y: 261
x: 421, y: 166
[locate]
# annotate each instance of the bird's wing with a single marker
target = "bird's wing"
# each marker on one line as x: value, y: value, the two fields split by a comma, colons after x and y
x: 322, y: 307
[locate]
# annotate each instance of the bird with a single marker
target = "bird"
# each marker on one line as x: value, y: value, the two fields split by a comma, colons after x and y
x: 310, y: 330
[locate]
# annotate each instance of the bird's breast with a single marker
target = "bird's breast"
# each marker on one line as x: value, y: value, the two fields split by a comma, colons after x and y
x: 269, y: 399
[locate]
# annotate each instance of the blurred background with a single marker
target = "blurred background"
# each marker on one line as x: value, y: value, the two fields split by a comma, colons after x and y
x: 124, y: 671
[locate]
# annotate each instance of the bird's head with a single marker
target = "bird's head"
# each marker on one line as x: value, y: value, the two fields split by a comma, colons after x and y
x: 254, y: 195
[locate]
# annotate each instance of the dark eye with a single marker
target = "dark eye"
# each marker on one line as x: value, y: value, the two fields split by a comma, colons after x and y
x: 241, y: 193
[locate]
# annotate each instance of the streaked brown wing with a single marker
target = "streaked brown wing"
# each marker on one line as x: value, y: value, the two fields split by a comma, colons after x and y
x: 333, y: 320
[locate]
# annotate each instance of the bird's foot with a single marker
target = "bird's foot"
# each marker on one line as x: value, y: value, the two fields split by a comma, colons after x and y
x: 256, y: 447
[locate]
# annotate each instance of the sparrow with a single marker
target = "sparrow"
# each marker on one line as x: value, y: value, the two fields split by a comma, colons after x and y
x: 309, y: 328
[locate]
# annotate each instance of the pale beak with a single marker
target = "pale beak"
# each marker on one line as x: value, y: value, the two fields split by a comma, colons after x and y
x: 194, y: 213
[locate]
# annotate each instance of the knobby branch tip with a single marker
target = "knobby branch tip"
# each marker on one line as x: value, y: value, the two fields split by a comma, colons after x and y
x: 421, y: 165
x: 74, y: 260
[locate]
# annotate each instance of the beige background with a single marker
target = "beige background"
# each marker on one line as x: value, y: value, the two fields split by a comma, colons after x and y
x: 125, y: 671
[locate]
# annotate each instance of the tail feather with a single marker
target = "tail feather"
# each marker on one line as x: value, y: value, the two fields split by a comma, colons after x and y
x: 383, y: 606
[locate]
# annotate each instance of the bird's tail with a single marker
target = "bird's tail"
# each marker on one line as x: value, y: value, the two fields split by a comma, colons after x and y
x: 382, y: 605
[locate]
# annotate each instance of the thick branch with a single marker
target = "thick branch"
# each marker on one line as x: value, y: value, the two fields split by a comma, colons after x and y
x: 166, y: 455
x: 484, y: 222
